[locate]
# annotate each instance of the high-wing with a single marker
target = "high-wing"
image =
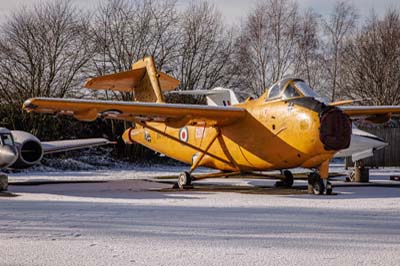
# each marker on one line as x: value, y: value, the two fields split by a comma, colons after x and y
x: 68, y: 145
x: 173, y: 114
x: 360, y: 111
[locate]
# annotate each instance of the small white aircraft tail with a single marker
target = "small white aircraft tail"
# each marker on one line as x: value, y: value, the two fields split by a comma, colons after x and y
x: 216, y: 97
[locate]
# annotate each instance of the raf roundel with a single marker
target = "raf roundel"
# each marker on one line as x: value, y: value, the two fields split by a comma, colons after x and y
x: 184, y: 134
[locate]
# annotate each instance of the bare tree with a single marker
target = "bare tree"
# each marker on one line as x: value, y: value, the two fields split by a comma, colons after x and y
x: 308, y: 56
x: 126, y: 31
x: 267, y: 44
x: 205, y: 48
x: 340, y: 24
x: 43, y: 51
x: 372, y: 60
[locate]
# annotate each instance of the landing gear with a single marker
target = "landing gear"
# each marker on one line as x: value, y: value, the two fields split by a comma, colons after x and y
x: 287, y: 181
x: 328, y: 188
x: 319, y: 186
x: 184, y: 180
x: 3, y: 182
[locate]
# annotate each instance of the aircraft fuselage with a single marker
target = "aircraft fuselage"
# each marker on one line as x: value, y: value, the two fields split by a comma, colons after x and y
x: 277, y: 134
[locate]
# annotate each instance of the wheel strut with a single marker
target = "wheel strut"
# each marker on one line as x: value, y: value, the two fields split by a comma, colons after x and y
x: 318, y: 185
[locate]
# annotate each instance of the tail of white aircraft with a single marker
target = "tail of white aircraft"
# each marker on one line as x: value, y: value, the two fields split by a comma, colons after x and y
x: 362, y: 145
x: 215, y: 97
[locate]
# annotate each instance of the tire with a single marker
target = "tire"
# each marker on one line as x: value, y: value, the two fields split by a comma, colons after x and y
x: 184, y: 180
x: 329, y: 188
x: 318, y: 187
x: 288, y: 178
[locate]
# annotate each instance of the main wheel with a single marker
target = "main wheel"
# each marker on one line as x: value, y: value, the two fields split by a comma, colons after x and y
x: 288, y: 178
x: 184, y: 180
x: 287, y: 181
x: 318, y: 187
x: 329, y: 188
x: 313, y: 177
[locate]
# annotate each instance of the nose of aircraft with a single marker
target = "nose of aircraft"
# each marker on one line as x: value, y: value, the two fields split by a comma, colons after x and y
x: 335, y: 129
x: 8, y: 155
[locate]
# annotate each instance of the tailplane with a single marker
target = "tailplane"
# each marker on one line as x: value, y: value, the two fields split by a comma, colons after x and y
x: 144, y: 80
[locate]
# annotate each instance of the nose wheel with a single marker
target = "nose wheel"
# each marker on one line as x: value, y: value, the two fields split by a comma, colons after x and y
x: 319, y: 186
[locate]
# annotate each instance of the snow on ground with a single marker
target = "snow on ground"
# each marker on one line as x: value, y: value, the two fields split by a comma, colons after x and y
x: 130, y: 221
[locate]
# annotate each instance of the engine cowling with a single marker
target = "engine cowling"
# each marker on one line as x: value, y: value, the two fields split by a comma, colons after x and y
x: 30, y: 150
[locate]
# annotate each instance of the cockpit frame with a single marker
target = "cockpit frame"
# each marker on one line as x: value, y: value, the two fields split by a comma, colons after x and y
x: 298, y: 87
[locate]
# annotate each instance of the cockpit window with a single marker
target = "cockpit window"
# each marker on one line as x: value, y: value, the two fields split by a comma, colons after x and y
x: 274, y: 91
x: 290, y: 92
x: 305, y: 89
x: 6, y: 139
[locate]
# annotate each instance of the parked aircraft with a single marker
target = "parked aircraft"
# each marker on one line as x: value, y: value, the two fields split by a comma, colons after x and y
x: 286, y: 127
x: 20, y: 149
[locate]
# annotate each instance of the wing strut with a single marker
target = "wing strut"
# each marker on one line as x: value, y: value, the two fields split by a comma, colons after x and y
x: 144, y: 125
x: 199, y: 158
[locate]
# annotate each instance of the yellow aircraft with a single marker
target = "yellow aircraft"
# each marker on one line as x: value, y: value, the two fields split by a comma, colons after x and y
x: 286, y: 127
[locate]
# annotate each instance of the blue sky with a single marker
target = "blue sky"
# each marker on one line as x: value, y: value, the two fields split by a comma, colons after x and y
x: 233, y: 10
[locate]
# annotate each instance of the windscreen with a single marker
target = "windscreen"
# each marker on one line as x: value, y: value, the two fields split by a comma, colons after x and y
x: 6, y: 139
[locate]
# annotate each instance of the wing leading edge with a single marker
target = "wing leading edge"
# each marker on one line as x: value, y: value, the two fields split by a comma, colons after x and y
x: 174, y: 115
x: 360, y: 111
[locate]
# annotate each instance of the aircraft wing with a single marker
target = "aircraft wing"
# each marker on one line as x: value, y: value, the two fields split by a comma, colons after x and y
x: 364, y: 111
x: 175, y: 115
x: 68, y: 145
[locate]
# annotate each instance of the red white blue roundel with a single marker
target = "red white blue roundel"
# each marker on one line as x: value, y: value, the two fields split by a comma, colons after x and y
x: 184, y: 134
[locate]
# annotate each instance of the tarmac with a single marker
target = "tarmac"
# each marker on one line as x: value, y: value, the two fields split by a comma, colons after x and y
x: 78, y: 220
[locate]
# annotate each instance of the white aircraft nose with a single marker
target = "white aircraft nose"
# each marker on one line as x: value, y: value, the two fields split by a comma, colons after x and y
x: 8, y: 155
x: 362, y: 145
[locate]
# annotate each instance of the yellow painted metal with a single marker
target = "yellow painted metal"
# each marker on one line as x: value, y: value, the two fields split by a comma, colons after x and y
x: 324, y: 169
x: 144, y: 80
x: 130, y: 134
x: 142, y: 93
x: 201, y: 156
x: 172, y: 114
x: 262, y: 140
x: 364, y: 111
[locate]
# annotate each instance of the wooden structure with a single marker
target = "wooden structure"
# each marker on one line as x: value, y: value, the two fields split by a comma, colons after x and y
x: 390, y: 155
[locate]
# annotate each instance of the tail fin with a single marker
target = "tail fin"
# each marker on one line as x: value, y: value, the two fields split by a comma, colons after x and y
x: 144, y: 80
x: 215, y: 97
x: 222, y: 97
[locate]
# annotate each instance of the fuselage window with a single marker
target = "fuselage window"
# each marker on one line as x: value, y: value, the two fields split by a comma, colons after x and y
x: 290, y: 92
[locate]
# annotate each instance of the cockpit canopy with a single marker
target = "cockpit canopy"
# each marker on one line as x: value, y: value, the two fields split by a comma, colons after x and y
x: 290, y: 88
x: 6, y: 137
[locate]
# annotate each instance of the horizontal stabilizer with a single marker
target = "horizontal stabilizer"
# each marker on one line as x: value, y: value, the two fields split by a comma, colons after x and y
x: 129, y: 80
x: 144, y: 80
